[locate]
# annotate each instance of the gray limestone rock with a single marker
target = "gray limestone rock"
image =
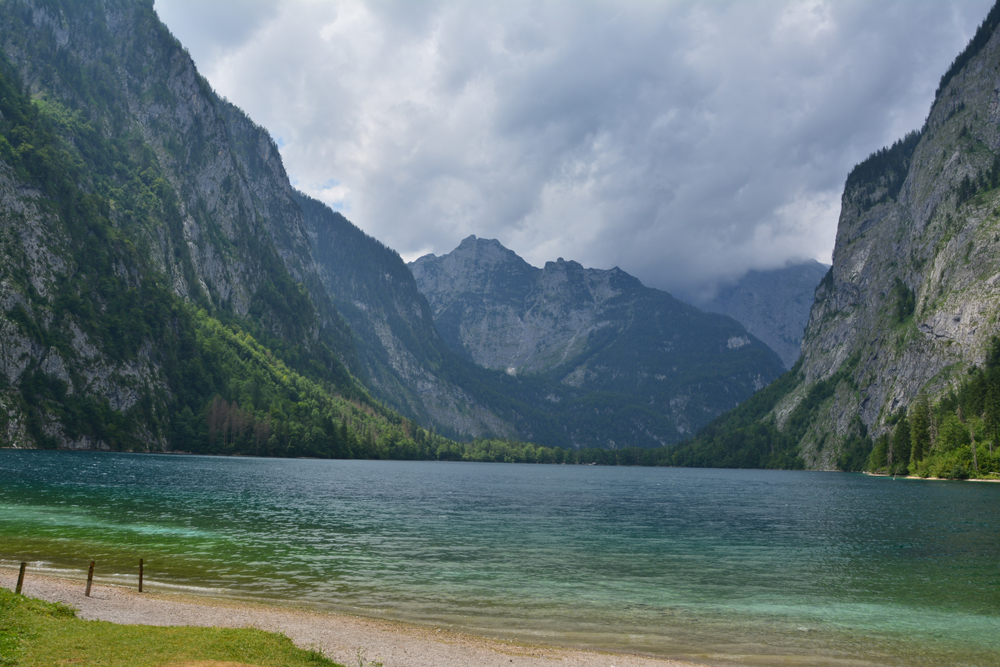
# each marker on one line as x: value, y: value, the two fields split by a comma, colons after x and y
x: 912, y: 301
x: 773, y: 305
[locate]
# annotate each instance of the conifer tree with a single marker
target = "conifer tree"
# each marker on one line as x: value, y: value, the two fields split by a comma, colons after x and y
x: 920, y: 436
x: 991, y: 414
x: 901, y: 445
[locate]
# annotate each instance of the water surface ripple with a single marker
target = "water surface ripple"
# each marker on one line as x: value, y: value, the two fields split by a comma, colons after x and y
x: 759, y: 567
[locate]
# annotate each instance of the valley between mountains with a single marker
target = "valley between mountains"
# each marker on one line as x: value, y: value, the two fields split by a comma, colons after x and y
x: 164, y: 287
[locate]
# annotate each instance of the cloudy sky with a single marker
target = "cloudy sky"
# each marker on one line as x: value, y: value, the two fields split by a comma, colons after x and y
x: 685, y: 142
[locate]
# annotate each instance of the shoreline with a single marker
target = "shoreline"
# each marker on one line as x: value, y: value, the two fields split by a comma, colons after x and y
x: 932, y: 479
x: 339, y: 636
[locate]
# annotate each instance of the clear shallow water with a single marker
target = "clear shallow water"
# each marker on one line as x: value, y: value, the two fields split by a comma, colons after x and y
x: 759, y: 567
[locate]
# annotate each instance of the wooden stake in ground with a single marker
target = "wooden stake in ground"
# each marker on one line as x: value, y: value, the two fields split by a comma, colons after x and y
x: 90, y: 578
x: 20, y: 579
x: 140, y: 575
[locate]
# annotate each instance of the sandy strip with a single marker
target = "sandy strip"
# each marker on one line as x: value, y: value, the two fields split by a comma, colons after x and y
x: 338, y: 636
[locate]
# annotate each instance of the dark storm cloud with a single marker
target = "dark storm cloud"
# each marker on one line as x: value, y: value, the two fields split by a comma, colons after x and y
x: 685, y: 142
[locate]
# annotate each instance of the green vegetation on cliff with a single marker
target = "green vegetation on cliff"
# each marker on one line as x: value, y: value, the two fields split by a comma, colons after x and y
x: 880, y: 176
x: 118, y: 302
x: 976, y: 44
x: 956, y: 437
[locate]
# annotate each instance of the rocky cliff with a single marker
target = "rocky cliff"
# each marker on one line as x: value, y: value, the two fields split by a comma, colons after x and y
x: 773, y: 305
x: 913, y: 297
x: 135, y: 197
x: 911, y: 304
x: 593, y: 331
x: 110, y: 69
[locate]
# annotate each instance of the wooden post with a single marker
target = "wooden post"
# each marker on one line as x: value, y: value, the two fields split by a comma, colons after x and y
x: 140, y: 575
x: 90, y: 578
x: 20, y: 579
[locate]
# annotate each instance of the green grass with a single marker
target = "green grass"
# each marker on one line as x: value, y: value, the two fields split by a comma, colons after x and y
x: 34, y: 633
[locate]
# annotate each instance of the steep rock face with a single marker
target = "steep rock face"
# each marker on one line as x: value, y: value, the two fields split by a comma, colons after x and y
x: 593, y: 331
x: 127, y: 185
x: 37, y: 256
x: 113, y: 66
x: 914, y: 293
x: 913, y: 298
x: 773, y: 305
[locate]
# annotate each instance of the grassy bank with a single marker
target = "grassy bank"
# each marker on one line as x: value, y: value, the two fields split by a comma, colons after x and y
x: 34, y: 633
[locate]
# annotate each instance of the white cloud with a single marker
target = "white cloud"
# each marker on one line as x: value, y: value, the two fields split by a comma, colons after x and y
x: 685, y: 142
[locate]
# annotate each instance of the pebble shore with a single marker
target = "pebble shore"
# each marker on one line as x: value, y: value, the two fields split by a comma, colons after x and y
x: 338, y: 636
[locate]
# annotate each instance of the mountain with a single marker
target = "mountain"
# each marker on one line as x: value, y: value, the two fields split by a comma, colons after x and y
x: 773, y: 305
x: 164, y: 287
x: 157, y: 281
x: 899, y: 360
x: 620, y: 346
x: 410, y: 366
x: 402, y: 357
x: 197, y: 185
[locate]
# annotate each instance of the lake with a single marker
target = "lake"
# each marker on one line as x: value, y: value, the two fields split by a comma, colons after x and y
x: 748, y: 566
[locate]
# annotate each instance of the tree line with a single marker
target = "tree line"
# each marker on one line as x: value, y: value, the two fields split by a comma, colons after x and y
x: 956, y: 437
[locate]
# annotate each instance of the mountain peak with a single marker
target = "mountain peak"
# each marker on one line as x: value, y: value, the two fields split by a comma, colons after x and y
x: 474, y: 243
x: 591, y: 330
x: 565, y: 265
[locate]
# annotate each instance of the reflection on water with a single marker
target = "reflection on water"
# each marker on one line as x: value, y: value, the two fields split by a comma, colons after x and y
x: 723, y: 565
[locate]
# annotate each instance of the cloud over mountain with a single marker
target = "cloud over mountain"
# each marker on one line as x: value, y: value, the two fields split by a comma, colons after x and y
x: 685, y: 142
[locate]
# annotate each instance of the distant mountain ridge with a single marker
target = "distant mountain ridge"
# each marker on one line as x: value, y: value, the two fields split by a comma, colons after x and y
x: 593, y: 330
x: 773, y: 305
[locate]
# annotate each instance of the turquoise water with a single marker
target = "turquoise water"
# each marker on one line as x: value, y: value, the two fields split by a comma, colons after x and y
x: 755, y: 567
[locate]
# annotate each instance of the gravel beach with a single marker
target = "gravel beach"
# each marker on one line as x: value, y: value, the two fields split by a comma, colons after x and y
x: 338, y: 636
